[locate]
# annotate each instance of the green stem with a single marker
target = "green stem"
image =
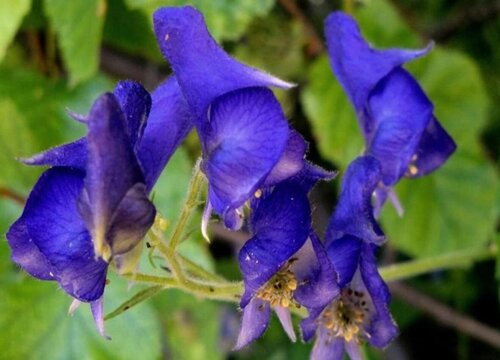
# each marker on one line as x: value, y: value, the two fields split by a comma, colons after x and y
x: 461, y: 258
x: 218, y: 289
x: 187, y: 210
x: 348, y: 6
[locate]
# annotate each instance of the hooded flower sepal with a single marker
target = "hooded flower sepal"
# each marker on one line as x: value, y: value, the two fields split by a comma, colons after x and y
x: 280, y: 224
x: 394, y: 113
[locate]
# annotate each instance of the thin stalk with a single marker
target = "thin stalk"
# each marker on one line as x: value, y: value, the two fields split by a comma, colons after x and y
x: 461, y: 258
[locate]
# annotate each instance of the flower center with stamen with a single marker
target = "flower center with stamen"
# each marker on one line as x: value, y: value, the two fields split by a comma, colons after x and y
x: 279, y: 290
x: 413, y: 168
x: 345, y: 316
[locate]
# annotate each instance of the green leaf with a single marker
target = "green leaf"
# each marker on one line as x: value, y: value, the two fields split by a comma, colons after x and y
x: 11, y: 16
x: 451, y: 209
x: 33, y: 110
x: 78, y: 25
x: 226, y: 19
x: 191, y: 326
x: 332, y: 117
x: 131, y: 31
x: 35, y: 325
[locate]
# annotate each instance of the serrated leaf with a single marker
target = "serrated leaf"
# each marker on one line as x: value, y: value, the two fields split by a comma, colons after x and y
x: 226, y: 19
x: 452, y: 209
x: 35, y: 325
x: 11, y: 16
x: 78, y: 25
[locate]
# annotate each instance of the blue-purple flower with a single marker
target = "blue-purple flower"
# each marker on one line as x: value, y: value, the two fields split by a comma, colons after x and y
x: 92, y: 206
x: 355, y: 309
x: 242, y: 128
x: 395, y: 115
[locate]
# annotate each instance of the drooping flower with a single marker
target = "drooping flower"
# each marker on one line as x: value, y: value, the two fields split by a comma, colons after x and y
x: 242, y: 128
x: 272, y: 261
x: 359, y: 310
x: 395, y: 115
x: 92, y: 207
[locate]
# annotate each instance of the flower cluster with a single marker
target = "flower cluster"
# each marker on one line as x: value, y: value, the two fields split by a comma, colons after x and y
x: 91, y: 207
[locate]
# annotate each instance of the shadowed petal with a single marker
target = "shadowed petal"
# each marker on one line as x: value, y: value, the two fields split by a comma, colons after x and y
x: 253, y: 323
x: 203, y: 69
x: 112, y: 169
x: 433, y: 150
x: 281, y: 223
x: 353, y: 350
x: 400, y: 112
x: 55, y: 226
x: 135, y: 103
x: 354, y: 214
x: 169, y: 122
x: 26, y: 254
x: 244, y: 139
x: 327, y: 347
x: 318, y: 277
x: 290, y: 162
x: 356, y: 65
x: 131, y: 221
x: 381, y: 328
x: 309, y: 325
x: 344, y: 253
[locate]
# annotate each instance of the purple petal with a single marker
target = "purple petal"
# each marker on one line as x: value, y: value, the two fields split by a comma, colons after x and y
x: 309, y: 325
x: 203, y: 69
x: 97, y: 308
x: 111, y: 171
x: 285, y: 319
x: 434, y: 149
x: 26, y: 254
x: 354, y: 213
x: 356, y: 65
x: 135, y: 103
x: 382, y: 328
x: 72, y: 155
x: 327, y: 347
x: 280, y: 224
x: 352, y: 348
x: 320, y: 284
x: 131, y: 221
x: 345, y: 253
x: 55, y: 227
x: 400, y: 112
x: 243, y: 141
x: 290, y: 162
x: 254, y: 322
x: 169, y: 122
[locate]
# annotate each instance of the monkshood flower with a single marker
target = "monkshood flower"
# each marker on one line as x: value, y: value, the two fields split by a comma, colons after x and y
x: 92, y: 207
x: 395, y: 115
x: 343, y: 319
x: 270, y: 262
x: 242, y: 128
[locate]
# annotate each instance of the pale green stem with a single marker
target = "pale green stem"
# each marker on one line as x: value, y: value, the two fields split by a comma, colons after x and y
x: 455, y: 259
x: 218, y: 289
x: 187, y: 210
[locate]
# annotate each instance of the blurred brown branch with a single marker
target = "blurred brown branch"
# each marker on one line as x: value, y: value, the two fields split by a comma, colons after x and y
x: 446, y: 315
x: 12, y: 195
x: 315, y: 43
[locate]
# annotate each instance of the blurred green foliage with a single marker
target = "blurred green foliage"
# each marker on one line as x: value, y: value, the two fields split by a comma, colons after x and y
x: 51, y: 60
